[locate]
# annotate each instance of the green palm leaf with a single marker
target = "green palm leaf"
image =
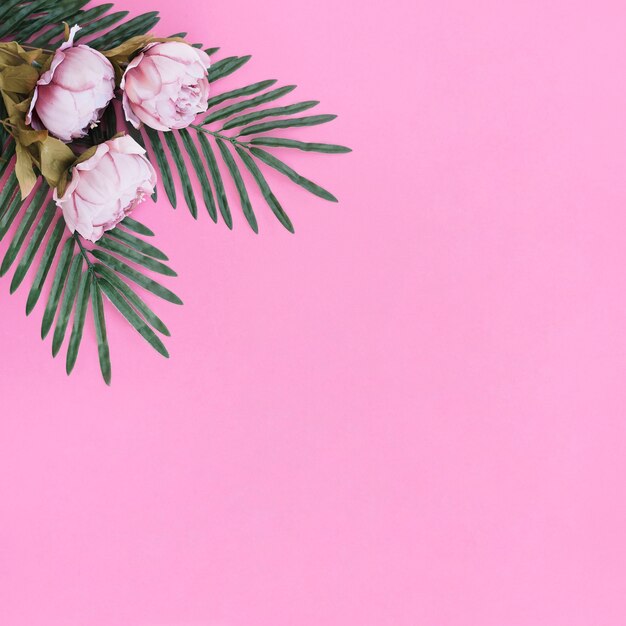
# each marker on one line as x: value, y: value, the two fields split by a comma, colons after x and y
x: 80, y: 314
x: 275, y: 142
x: 162, y: 164
x: 101, y: 332
x: 284, y: 169
x: 311, y: 120
x: 129, y: 313
x: 241, y: 187
x: 100, y: 23
x: 270, y: 198
x: 22, y: 230
x: 226, y: 67
x: 61, y: 12
x: 200, y: 170
x: 67, y: 303
x: 139, y: 25
x: 242, y: 120
x: 137, y: 244
x: 222, y: 199
x: 10, y: 214
x: 33, y: 246
x: 137, y: 227
x: 238, y: 93
x: 45, y: 265
x: 132, y: 255
x: 190, y: 198
x: 233, y: 109
x: 140, y: 306
x: 137, y: 277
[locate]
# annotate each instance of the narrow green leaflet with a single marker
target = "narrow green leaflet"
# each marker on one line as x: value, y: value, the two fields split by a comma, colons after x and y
x: 12, y: 20
x: 270, y: 198
x: 128, y: 312
x: 190, y: 198
x: 136, y: 134
x: 104, y: 355
x: 67, y: 304
x: 139, y: 25
x: 80, y: 314
x: 239, y: 93
x: 233, y: 109
x: 44, y: 40
x: 137, y: 227
x: 242, y: 120
x: 283, y: 168
x: 137, y: 277
x: 98, y: 25
x: 88, y: 16
x: 275, y: 142
x: 311, y: 120
x: 33, y: 246
x: 61, y: 12
x: 9, y: 215
x: 200, y: 170
x: 8, y: 192
x: 222, y: 200
x: 45, y: 264
x: 57, y: 287
x: 137, y: 244
x: 132, y: 255
x: 8, y: 6
x: 111, y: 277
x: 162, y: 163
x: 226, y: 67
x: 7, y: 154
x: 241, y: 188
x: 25, y: 225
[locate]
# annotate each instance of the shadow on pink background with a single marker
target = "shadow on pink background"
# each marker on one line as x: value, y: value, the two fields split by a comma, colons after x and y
x: 410, y: 413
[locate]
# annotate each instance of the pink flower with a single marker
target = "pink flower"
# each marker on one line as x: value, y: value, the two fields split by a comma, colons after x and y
x: 166, y: 86
x: 74, y: 92
x: 106, y: 187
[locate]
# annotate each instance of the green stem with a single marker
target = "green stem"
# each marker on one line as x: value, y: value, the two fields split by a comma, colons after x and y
x: 232, y: 140
x: 84, y: 252
x: 33, y: 48
x: 7, y: 124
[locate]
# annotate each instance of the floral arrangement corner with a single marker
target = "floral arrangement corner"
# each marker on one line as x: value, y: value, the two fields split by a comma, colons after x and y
x: 93, y: 117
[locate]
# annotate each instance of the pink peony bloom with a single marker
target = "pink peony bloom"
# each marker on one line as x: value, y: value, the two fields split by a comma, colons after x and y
x: 105, y: 188
x: 73, y: 93
x: 166, y: 86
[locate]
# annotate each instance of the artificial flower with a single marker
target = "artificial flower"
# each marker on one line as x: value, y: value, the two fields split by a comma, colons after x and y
x: 166, y: 86
x: 71, y: 96
x: 105, y: 187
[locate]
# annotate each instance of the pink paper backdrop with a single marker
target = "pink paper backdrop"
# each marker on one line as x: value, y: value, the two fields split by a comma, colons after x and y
x: 410, y: 413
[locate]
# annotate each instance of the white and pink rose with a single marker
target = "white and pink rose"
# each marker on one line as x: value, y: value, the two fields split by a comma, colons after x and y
x: 72, y: 95
x: 166, y: 86
x: 106, y: 187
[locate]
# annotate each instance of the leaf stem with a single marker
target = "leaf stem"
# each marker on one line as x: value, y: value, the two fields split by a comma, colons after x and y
x: 7, y: 124
x: 232, y: 140
x: 84, y: 252
x: 35, y: 48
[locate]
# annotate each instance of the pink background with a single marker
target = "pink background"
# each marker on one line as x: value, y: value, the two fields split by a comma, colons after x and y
x: 410, y: 413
